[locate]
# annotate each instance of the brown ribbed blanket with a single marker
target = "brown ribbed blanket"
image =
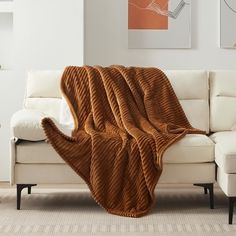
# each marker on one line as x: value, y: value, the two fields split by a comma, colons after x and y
x: 125, y: 118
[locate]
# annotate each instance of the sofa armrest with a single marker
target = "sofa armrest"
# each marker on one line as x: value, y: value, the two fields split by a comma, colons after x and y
x: 26, y: 124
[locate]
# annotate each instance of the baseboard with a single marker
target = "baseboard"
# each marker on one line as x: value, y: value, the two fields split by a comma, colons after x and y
x: 5, y: 184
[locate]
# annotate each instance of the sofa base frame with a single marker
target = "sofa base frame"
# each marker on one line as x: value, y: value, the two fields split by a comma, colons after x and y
x: 208, y: 188
x: 19, y: 188
x: 232, y: 200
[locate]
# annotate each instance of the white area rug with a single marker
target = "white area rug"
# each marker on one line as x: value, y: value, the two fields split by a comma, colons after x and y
x: 70, y: 212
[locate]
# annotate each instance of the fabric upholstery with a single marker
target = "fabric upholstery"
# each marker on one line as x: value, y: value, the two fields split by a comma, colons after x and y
x: 49, y: 106
x: 37, y: 153
x: 43, y: 92
x: 189, y: 84
x: 65, y: 114
x: 223, y: 83
x: 43, y: 84
x: 193, y: 148
x: 225, y: 150
x: 63, y: 174
x: 26, y: 124
x: 227, y: 182
x: 12, y: 159
x: 197, y: 112
x: 223, y: 113
x: 222, y: 100
x: 192, y: 89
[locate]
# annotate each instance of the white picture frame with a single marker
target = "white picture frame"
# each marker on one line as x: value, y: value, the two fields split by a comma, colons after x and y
x: 178, y: 34
x: 227, y: 23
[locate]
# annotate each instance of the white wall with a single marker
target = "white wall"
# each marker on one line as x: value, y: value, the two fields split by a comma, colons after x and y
x: 47, y: 35
x: 107, y: 39
x: 6, y: 30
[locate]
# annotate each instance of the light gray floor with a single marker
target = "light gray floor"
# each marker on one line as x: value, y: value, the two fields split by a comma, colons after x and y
x: 178, y: 211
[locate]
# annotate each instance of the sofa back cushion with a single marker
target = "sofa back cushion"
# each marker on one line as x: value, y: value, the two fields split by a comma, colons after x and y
x: 222, y: 100
x: 43, y: 92
x: 192, y: 90
x: 191, y: 87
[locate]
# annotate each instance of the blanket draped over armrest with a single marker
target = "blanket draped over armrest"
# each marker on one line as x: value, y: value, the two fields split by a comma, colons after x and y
x: 125, y: 118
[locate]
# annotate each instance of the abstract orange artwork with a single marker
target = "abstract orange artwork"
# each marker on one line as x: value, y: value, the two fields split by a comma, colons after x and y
x: 148, y: 14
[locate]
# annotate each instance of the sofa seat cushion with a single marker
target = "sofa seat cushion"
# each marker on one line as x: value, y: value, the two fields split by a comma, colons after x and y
x: 193, y: 148
x: 225, y: 150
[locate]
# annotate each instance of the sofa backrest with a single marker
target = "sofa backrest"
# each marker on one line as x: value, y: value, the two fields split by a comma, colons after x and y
x: 43, y: 92
x: 222, y: 100
x: 191, y: 87
x: 192, y: 90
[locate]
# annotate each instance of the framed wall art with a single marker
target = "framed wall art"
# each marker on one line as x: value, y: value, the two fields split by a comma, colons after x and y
x: 159, y: 23
x: 227, y: 23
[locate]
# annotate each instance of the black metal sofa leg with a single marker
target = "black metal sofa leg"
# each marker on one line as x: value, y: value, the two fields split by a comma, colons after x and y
x: 19, y: 188
x: 208, y: 188
x: 231, y: 209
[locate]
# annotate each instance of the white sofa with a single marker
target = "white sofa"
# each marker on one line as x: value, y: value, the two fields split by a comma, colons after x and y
x: 191, y: 160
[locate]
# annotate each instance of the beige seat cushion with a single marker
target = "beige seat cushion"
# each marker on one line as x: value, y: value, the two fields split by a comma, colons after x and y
x: 191, y: 149
x: 225, y: 150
